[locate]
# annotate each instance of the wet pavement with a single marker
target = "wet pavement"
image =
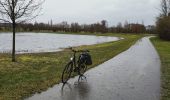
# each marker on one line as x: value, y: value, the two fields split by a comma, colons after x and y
x: 132, y: 75
x: 45, y: 42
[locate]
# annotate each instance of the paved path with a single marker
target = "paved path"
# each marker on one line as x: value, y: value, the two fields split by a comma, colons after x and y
x: 132, y: 75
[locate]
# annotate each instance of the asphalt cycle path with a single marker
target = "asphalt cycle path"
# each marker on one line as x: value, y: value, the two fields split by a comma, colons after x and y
x: 131, y: 75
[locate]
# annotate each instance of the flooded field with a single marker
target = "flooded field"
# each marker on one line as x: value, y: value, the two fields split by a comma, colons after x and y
x: 45, y: 42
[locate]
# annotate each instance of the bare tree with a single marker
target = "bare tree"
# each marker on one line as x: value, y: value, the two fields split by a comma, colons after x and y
x: 119, y: 27
x: 18, y: 11
x: 104, y: 25
x: 165, y: 7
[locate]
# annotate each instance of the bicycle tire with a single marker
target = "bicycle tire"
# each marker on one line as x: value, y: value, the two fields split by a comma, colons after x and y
x: 67, y: 71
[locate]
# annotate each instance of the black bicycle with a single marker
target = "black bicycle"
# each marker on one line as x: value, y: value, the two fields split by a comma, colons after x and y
x: 77, y: 65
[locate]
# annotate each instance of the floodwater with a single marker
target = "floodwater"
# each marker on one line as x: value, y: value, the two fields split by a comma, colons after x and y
x: 132, y: 75
x: 45, y: 42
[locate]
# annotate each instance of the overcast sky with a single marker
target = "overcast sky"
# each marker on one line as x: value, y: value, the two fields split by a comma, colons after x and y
x: 91, y: 11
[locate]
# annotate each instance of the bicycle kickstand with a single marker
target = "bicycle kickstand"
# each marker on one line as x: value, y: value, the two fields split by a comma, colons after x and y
x: 81, y: 77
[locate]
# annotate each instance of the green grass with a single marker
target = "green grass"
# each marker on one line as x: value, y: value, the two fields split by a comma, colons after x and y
x: 37, y: 72
x: 163, y: 48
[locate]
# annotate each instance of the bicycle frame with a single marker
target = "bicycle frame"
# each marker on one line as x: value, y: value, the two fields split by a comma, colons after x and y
x: 73, y: 59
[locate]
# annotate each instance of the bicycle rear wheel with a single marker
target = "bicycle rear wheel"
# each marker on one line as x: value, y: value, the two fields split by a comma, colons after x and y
x: 67, y: 72
x: 82, y: 69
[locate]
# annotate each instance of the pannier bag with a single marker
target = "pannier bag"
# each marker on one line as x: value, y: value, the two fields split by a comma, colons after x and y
x: 85, y: 58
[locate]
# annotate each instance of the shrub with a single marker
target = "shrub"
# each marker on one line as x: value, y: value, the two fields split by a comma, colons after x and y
x: 163, y: 27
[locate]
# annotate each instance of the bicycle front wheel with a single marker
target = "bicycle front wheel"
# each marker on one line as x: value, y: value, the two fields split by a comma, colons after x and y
x: 67, y: 72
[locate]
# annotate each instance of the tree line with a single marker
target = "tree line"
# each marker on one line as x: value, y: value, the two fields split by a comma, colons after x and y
x: 99, y: 27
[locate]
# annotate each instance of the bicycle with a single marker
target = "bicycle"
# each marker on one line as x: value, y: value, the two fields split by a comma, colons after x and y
x: 77, y: 65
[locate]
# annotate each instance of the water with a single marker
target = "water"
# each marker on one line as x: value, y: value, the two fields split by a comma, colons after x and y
x: 45, y: 42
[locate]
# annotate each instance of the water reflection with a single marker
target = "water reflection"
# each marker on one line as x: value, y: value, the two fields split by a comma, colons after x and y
x: 79, y: 91
x: 45, y: 42
x: 67, y: 92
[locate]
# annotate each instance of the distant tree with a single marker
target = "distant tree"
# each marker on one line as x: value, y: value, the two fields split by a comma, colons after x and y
x: 51, y: 23
x: 18, y: 11
x: 126, y: 27
x: 126, y: 24
x: 97, y: 27
x: 75, y: 27
x: 112, y: 29
x: 104, y: 26
x: 63, y: 26
x: 36, y: 26
x: 119, y: 27
x: 29, y: 27
x: 151, y: 29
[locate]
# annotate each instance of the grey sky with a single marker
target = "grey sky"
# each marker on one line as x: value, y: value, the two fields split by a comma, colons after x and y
x: 91, y: 11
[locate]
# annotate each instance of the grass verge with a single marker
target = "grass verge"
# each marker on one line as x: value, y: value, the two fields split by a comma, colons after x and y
x: 37, y: 72
x: 163, y: 48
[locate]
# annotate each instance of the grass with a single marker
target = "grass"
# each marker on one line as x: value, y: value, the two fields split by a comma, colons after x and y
x: 163, y: 48
x: 37, y: 72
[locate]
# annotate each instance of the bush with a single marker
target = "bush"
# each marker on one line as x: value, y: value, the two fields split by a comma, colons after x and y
x: 163, y: 27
